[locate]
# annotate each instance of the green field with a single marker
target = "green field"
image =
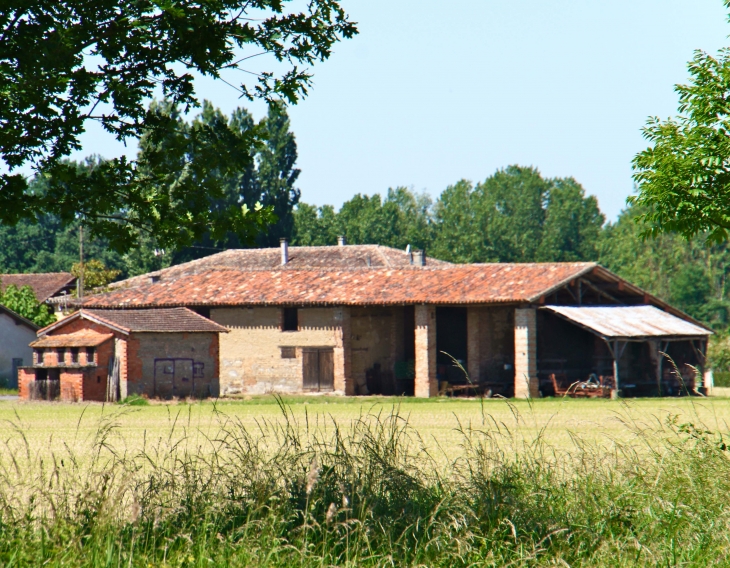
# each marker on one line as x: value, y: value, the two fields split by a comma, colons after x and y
x: 560, y: 423
x: 331, y: 481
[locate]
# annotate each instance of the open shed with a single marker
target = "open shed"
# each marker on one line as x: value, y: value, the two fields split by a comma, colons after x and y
x: 633, y: 350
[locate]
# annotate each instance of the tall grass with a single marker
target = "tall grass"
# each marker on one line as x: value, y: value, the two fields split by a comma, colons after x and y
x: 313, y: 493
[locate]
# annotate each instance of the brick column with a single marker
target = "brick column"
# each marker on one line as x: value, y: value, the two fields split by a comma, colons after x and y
x: 473, y: 356
x: 120, y: 350
x: 426, y: 384
x: 526, y: 382
x: 344, y: 382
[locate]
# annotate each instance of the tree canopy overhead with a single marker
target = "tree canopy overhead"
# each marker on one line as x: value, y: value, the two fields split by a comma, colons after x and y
x: 64, y: 62
x: 684, y: 176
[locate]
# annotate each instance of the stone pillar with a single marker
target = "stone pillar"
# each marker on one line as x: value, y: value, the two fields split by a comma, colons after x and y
x: 526, y: 382
x: 425, y: 384
x: 344, y: 381
x: 473, y: 355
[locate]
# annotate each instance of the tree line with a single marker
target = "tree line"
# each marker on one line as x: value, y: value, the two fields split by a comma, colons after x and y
x: 514, y: 215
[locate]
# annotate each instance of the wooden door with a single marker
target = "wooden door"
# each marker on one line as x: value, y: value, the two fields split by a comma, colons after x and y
x: 326, y: 370
x: 310, y: 360
x: 318, y: 369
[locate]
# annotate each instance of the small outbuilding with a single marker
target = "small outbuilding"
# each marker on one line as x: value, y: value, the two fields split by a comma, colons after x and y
x: 105, y: 355
x: 16, y: 332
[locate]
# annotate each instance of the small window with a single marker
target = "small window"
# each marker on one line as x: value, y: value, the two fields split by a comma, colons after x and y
x: 198, y: 370
x: 75, y: 355
x: 61, y: 356
x: 38, y: 356
x: 90, y: 355
x: 290, y: 321
x: 288, y: 352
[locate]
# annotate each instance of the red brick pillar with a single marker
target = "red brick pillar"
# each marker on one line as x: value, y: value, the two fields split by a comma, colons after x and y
x: 526, y: 382
x: 473, y: 356
x: 25, y: 377
x: 426, y: 384
x: 344, y: 382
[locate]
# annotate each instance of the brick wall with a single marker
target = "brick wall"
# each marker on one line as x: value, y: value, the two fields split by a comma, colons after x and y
x: 251, y: 357
x: 343, y: 352
x: 25, y: 376
x: 425, y: 383
x: 526, y: 381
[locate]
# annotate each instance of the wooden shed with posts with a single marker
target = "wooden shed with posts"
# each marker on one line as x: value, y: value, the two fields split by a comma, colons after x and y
x: 105, y: 355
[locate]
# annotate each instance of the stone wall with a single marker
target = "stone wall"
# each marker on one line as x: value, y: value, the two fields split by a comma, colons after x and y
x: 252, y: 360
x: 170, y: 365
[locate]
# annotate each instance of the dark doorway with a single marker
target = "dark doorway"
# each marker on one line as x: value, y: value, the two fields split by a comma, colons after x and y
x: 17, y: 363
x: 451, y: 340
x: 319, y: 369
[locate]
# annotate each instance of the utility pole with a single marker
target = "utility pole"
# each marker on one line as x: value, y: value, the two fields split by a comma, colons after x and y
x: 80, y: 282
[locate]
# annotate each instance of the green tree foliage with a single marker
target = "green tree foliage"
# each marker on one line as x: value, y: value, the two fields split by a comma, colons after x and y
x: 63, y: 63
x: 402, y: 218
x: 689, y: 274
x: 267, y: 180
x: 517, y: 216
x: 276, y: 175
x: 96, y: 274
x: 23, y: 302
x: 684, y: 176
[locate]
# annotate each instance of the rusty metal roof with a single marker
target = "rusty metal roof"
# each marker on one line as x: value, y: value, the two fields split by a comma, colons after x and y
x: 629, y: 322
x: 449, y: 284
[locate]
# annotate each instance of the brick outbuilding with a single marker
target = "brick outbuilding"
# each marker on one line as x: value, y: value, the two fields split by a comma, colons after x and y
x: 105, y: 355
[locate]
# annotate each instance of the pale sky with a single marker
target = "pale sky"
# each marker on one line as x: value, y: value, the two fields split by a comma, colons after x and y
x: 433, y: 92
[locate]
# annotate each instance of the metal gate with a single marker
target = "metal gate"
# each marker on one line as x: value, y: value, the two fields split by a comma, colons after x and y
x: 174, y: 377
x: 319, y: 369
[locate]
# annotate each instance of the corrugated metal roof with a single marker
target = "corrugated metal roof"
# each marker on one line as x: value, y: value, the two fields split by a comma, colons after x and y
x: 629, y: 322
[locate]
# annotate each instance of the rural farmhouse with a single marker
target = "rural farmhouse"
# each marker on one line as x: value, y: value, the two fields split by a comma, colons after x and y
x: 370, y: 319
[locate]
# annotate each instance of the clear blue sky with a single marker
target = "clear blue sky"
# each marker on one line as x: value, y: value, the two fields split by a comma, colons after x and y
x: 433, y: 92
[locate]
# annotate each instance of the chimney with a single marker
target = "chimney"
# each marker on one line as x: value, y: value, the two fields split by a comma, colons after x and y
x: 284, y: 251
x: 341, y: 241
x: 419, y: 258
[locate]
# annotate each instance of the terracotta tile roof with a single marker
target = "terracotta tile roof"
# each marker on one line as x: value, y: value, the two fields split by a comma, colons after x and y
x: 170, y: 320
x: 45, y: 285
x: 449, y: 284
x: 332, y: 257
x: 83, y: 338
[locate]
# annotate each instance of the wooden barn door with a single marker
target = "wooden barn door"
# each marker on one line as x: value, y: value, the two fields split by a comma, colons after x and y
x: 319, y: 369
x: 326, y: 370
